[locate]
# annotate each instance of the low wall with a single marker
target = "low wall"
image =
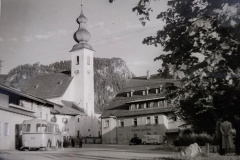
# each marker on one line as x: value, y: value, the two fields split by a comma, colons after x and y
x: 92, y: 140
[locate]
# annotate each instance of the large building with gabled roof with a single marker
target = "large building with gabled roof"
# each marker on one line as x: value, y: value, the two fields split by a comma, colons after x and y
x: 139, y: 109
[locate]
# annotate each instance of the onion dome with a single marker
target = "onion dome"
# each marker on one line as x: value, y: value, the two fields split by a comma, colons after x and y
x: 81, y: 36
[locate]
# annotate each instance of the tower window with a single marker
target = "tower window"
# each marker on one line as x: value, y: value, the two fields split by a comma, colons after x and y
x: 88, y: 60
x: 77, y: 63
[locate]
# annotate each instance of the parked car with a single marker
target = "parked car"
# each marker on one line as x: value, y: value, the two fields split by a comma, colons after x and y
x: 135, y: 141
x: 153, y: 139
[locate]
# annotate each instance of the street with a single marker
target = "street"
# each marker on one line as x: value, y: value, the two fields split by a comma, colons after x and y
x: 89, y: 152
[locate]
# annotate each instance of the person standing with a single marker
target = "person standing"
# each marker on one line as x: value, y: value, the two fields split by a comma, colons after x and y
x: 62, y: 141
x: 219, y: 136
x: 227, y: 139
x: 80, y: 141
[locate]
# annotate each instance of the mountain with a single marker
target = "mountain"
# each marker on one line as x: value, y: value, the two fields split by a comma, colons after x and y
x: 110, y: 76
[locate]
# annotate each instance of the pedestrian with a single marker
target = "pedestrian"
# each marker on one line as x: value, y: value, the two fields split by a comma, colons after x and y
x: 77, y: 142
x: 227, y: 139
x: 72, y: 140
x: 219, y: 136
x: 80, y: 141
x: 62, y: 141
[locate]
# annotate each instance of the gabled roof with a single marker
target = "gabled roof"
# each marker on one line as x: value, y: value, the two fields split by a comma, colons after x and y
x: 141, y: 84
x: 119, y: 106
x: 46, y: 86
x: 73, y: 105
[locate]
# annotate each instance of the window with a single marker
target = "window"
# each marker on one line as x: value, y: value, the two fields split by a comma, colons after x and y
x: 137, y: 106
x: 135, y: 121
x: 121, y: 123
x: 6, y: 129
x: 156, y: 119
x: 28, y: 127
x: 49, y: 128
x: 133, y: 106
x: 77, y: 62
x: 106, y: 123
x: 44, y: 127
x: 78, y: 120
x: 147, y: 92
x: 148, y: 120
x: 151, y: 104
x: 88, y: 60
x: 141, y: 105
x: 38, y: 128
x: 147, y: 105
x: 155, y: 133
x: 144, y: 93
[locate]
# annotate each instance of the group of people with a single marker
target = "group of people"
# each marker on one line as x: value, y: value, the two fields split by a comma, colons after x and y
x: 71, y: 141
x: 225, y: 137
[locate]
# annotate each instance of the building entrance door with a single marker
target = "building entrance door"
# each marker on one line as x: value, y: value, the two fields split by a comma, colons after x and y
x: 18, y: 136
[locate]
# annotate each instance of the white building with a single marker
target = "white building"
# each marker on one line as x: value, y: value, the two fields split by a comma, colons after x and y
x: 74, y: 89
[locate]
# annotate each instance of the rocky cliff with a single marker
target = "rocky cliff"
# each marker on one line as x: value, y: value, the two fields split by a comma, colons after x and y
x: 110, y: 76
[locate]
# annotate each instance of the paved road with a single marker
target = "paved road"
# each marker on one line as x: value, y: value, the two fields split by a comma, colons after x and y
x: 89, y: 152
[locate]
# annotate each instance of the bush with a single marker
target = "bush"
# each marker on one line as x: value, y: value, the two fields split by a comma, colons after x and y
x: 186, y: 140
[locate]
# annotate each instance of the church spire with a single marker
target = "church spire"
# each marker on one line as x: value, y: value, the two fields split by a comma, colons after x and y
x: 81, y: 36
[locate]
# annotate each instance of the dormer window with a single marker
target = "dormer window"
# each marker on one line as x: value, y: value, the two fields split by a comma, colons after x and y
x: 130, y: 94
x: 36, y: 86
x: 77, y: 62
x: 60, y: 82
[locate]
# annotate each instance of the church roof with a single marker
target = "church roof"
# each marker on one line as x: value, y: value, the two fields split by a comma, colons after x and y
x: 46, y: 86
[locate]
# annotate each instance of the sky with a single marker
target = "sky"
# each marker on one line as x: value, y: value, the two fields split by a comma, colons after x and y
x: 42, y: 31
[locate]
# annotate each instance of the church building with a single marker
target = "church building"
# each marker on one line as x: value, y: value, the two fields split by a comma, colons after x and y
x: 74, y: 90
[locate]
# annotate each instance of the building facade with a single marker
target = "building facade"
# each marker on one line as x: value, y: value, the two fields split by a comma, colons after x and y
x: 140, y: 109
x: 15, y: 107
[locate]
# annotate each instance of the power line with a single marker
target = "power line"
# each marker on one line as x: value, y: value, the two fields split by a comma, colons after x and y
x: 120, y: 35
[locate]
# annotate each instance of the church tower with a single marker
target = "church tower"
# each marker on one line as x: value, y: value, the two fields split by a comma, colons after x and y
x: 82, y: 67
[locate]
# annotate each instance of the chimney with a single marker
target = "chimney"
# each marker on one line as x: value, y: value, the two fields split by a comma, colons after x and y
x: 148, y: 75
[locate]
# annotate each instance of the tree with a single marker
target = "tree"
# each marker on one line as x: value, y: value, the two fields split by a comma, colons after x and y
x: 194, y: 29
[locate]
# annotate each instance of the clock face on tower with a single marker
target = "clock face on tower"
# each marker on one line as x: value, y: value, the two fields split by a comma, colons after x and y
x: 76, y: 72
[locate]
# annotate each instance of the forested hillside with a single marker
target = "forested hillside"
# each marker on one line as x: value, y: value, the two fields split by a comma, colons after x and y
x: 109, y: 76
